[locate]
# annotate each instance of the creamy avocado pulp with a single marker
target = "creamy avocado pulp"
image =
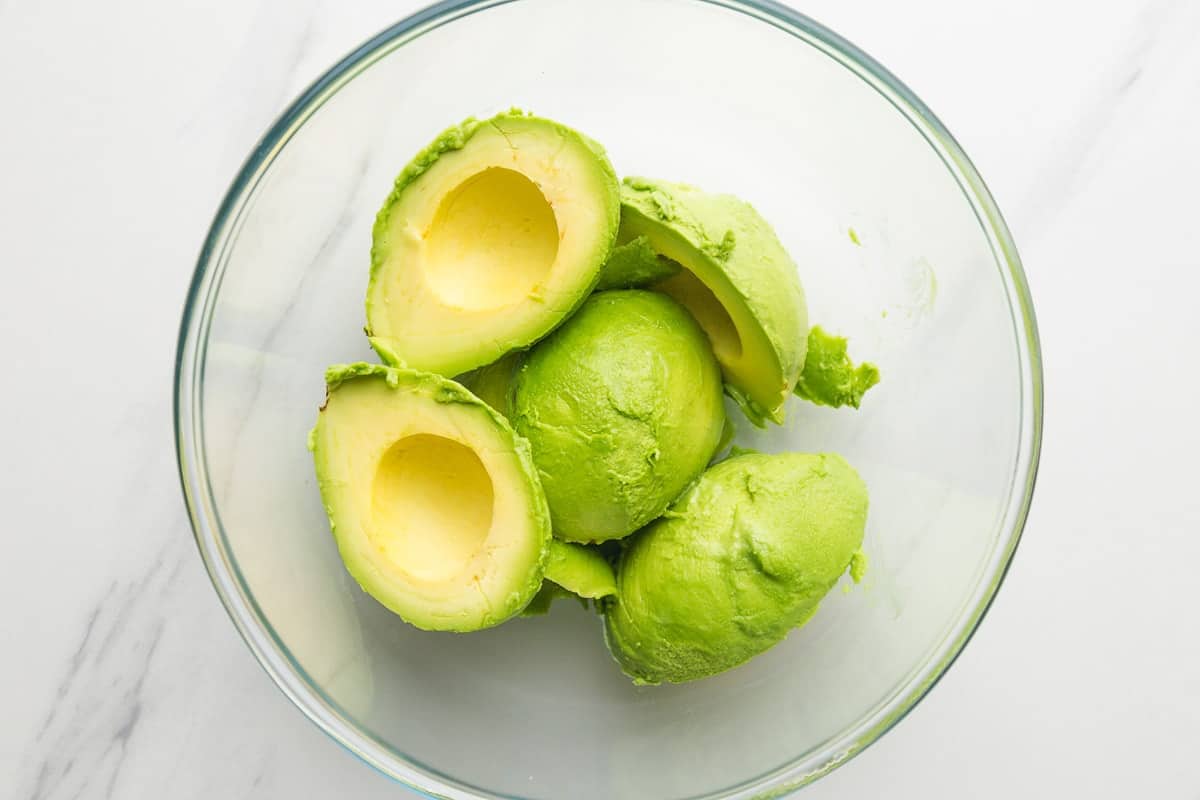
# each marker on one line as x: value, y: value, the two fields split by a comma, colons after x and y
x: 634, y: 264
x: 829, y: 377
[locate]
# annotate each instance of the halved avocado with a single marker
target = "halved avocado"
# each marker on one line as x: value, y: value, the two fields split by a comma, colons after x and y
x: 737, y: 280
x: 491, y: 237
x: 745, y: 555
x: 434, y: 501
x: 622, y: 409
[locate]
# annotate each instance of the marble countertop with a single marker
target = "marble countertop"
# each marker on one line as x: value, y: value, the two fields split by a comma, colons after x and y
x: 121, y: 124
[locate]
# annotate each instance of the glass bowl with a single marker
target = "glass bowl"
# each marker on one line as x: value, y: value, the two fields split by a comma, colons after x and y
x: 899, y: 246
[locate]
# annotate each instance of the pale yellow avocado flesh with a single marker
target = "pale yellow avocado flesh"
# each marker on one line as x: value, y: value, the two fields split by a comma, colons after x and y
x: 433, y: 500
x: 491, y: 238
x: 431, y: 506
x: 492, y: 242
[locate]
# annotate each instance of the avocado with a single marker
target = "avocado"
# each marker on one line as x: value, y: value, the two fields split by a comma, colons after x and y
x: 581, y: 570
x: 622, y: 408
x: 491, y: 383
x: 574, y: 570
x: 491, y: 237
x: 737, y: 280
x: 545, y: 597
x: 634, y: 264
x: 829, y: 377
x: 744, y: 556
x: 433, y: 500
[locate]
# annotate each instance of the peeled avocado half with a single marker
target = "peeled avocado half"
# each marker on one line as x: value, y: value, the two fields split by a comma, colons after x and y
x: 737, y: 281
x: 491, y: 237
x: 434, y: 501
x: 622, y: 409
x: 742, y: 557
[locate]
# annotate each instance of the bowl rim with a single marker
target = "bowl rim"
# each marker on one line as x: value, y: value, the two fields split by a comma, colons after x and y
x: 239, y: 601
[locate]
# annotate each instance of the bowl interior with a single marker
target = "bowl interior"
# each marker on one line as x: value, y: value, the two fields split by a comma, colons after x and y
x: 896, y: 250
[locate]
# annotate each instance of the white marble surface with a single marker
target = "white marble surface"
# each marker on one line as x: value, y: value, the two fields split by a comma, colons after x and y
x: 121, y: 124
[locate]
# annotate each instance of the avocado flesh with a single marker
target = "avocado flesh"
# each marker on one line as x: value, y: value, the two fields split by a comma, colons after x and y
x: 634, y: 264
x: 490, y: 238
x: 744, y: 556
x: 581, y: 570
x: 829, y: 377
x: 574, y: 570
x: 433, y: 500
x: 545, y: 597
x: 737, y: 280
x: 491, y: 383
x: 622, y: 409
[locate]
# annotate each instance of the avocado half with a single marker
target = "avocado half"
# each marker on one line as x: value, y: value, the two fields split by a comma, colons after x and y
x: 737, y: 281
x: 434, y: 501
x: 622, y: 409
x: 490, y: 238
x: 744, y: 555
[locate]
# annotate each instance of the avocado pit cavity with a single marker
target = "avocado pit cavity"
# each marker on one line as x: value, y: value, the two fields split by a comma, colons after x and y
x: 492, y: 242
x: 432, y: 504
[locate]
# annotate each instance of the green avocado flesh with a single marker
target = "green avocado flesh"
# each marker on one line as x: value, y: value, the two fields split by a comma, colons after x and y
x: 635, y: 264
x: 830, y: 378
x: 622, y: 409
x: 574, y: 570
x: 491, y: 237
x: 743, y: 557
x: 491, y: 383
x: 433, y: 500
x: 737, y: 280
x: 581, y: 570
x: 545, y: 597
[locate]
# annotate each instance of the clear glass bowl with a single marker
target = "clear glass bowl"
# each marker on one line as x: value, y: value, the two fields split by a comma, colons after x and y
x: 900, y: 247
